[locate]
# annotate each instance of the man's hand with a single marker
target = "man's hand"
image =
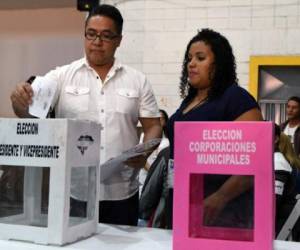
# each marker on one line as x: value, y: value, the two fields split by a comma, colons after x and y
x: 137, y: 161
x: 21, y: 98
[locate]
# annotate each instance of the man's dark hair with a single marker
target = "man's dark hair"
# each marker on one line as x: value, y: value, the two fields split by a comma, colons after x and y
x: 224, y: 64
x: 165, y: 115
x: 107, y: 11
x: 295, y: 99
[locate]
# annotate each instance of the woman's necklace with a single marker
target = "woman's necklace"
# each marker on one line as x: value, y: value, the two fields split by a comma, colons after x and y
x: 198, y: 104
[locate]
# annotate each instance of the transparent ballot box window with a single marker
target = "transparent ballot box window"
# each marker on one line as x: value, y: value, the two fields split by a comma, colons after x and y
x: 24, y: 195
x: 215, y: 217
x: 83, y: 194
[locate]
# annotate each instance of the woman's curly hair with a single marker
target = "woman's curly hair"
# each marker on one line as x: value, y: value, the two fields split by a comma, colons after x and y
x: 224, y: 64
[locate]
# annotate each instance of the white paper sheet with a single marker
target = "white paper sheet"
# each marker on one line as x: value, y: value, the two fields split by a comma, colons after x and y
x: 116, y: 164
x: 43, y: 93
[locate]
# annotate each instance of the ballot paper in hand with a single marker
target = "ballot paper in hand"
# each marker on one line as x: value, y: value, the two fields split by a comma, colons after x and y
x: 43, y: 93
x: 116, y: 164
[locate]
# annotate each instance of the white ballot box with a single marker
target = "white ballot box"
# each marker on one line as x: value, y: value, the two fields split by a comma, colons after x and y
x: 49, y: 179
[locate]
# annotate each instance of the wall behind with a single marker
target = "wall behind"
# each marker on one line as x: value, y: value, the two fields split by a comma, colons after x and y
x: 34, y: 42
x: 156, y: 33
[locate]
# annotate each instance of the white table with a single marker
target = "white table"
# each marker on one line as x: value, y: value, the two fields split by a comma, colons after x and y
x: 112, y: 237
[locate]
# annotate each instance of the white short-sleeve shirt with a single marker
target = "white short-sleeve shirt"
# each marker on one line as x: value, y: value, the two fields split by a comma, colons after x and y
x: 290, y: 132
x: 280, y: 164
x: 117, y: 103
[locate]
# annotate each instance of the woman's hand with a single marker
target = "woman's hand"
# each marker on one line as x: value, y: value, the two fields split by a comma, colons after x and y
x: 213, y: 206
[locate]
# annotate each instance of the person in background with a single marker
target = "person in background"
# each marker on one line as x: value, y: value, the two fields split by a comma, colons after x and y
x: 292, y: 129
x: 113, y: 94
x: 164, y: 118
x: 284, y: 179
x: 291, y: 126
x: 210, y: 92
x: 163, y: 144
x: 286, y: 148
x: 153, y: 191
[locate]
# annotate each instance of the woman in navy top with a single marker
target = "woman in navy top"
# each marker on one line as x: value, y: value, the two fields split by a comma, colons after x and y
x: 211, y: 93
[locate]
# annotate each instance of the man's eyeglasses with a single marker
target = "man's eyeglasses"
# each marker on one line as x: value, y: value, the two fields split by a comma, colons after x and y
x: 104, y: 36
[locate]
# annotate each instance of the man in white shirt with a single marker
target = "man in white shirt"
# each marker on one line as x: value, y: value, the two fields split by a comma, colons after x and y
x: 292, y: 129
x: 291, y: 126
x: 111, y: 93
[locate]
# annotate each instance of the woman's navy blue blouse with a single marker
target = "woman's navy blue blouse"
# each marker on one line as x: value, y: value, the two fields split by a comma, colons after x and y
x: 229, y: 106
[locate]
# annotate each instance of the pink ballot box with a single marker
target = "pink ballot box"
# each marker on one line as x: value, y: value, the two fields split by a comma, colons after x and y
x: 223, y: 186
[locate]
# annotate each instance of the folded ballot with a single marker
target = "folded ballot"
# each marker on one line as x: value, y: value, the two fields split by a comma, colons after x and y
x: 43, y: 94
x: 117, y: 163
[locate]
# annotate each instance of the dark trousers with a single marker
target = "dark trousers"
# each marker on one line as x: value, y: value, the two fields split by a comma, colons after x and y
x: 121, y: 212
x: 296, y: 174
